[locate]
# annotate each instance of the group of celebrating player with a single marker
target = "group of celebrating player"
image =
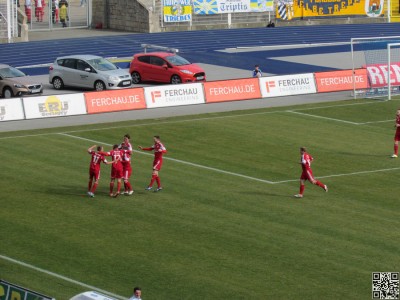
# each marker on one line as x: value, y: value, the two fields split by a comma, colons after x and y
x: 121, y: 169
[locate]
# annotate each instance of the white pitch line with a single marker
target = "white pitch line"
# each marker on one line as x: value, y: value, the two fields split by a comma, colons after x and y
x: 321, y: 117
x: 177, y: 121
x: 339, y: 105
x: 21, y: 263
x: 24, y: 136
x: 189, y: 120
x: 224, y: 117
x: 237, y: 174
x: 344, y: 174
x: 373, y: 122
x: 180, y: 161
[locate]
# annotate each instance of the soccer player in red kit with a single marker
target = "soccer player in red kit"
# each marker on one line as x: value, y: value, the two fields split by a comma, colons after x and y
x: 126, y: 143
x: 116, y: 170
x: 307, y: 174
x: 127, y: 169
x: 94, y: 170
x: 397, y: 135
x: 127, y: 149
x: 159, y: 149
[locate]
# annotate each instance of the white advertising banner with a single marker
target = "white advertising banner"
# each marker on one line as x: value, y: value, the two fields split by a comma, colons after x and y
x: 298, y: 84
x: 174, y: 95
x: 54, y: 106
x: 11, y: 110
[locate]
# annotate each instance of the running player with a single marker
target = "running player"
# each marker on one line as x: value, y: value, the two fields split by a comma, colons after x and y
x: 307, y: 174
x: 159, y: 149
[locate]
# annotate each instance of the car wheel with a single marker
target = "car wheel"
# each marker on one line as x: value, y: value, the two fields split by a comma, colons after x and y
x: 99, y: 86
x: 136, y: 77
x: 58, y: 84
x: 7, y: 93
x: 175, y: 79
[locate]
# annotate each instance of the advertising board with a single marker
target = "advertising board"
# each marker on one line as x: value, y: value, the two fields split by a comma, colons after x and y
x: 54, y: 106
x: 276, y: 86
x: 341, y: 80
x: 11, y: 109
x: 231, y: 90
x: 174, y: 95
x: 116, y: 100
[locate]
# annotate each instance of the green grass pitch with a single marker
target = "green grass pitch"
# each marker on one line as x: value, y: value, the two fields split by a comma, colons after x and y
x: 226, y: 225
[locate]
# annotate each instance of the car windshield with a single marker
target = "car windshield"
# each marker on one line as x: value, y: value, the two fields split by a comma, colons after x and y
x: 177, y: 60
x: 102, y: 64
x: 11, y: 72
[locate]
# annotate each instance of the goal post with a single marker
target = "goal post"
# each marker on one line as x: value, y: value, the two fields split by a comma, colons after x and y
x: 393, y: 67
x: 379, y: 62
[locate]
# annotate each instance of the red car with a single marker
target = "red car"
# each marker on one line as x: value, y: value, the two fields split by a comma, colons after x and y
x: 164, y: 67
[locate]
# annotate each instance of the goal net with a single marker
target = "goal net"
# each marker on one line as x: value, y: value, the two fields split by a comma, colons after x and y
x: 379, y: 57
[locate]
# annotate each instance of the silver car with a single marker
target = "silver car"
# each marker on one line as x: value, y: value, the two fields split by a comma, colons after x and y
x: 88, y: 71
x: 13, y: 82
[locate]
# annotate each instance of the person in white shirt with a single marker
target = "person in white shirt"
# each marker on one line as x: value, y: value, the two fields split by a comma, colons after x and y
x: 137, y: 294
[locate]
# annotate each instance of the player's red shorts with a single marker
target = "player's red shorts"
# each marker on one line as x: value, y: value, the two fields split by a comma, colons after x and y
x: 307, y: 175
x: 397, y: 135
x: 157, y: 165
x: 94, y: 173
x: 116, y: 172
x: 127, y: 171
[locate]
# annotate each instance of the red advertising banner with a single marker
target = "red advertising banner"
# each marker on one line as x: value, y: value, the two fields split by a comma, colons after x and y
x: 341, y: 80
x: 116, y: 100
x: 377, y: 74
x: 231, y: 90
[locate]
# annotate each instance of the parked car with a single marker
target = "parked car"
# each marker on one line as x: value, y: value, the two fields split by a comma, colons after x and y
x: 88, y: 71
x: 13, y: 83
x: 164, y: 67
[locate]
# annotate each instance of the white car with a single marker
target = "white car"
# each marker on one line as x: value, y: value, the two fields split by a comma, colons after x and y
x: 88, y: 71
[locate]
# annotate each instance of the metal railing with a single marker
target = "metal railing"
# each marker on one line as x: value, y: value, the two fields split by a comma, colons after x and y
x: 8, y: 20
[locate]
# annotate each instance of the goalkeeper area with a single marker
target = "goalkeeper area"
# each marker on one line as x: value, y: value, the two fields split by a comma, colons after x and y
x: 380, y: 58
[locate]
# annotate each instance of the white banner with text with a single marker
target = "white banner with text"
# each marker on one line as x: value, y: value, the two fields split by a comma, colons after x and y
x: 276, y: 86
x: 174, y: 95
x: 54, y: 106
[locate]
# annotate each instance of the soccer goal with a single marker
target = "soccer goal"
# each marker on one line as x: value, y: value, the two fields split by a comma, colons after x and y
x: 380, y: 58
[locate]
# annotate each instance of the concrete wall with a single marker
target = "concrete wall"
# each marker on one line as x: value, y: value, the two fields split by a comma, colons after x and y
x: 138, y: 16
x: 125, y: 15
